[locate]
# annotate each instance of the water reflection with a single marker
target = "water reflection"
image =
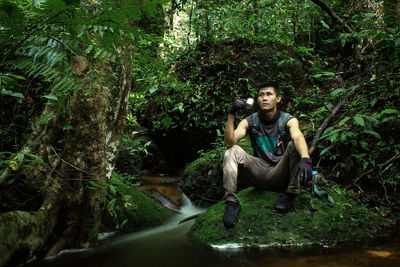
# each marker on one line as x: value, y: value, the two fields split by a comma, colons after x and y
x: 168, y: 245
x: 165, y: 189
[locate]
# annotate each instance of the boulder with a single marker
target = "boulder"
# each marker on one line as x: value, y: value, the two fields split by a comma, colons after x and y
x: 311, y: 222
x: 130, y: 209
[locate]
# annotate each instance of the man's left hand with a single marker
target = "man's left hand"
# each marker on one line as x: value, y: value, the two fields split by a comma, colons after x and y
x: 304, y: 170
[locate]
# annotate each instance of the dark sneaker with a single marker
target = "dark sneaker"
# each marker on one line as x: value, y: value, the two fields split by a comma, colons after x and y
x: 285, y: 203
x: 231, y: 214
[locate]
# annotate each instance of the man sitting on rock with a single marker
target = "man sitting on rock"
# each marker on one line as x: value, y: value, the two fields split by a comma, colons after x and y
x: 281, y: 160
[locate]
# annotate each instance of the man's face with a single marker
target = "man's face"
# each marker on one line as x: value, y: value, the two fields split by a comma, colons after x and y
x: 267, y: 99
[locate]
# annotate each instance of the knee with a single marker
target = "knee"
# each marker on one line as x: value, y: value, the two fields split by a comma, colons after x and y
x: 291, y: 146
x: 232, y: 152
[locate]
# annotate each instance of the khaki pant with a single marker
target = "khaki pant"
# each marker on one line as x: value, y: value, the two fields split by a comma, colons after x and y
x: 258, y: 172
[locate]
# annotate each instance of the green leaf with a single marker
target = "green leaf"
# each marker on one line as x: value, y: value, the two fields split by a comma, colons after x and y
x: 52, y: 97
x: 343, y: 122
x: 334, y: 137
x: 113, y: 189
x: 365, y: 165
x: 324, y: 24
x: 325, y: 150
x: 20, y: 157
x: 126, y: 197
x: 373, y: 133
x: 43, y: 119
x: 337, y: 91
x: 325, y: 73
x: 96, y: 185
x: 124, y: 222
x: 111, y: 204
x: 19, y: 77
x: 12, y: 93
x: 67, y: 127
x: 389, y: 111
x: 343, y: 42
x: 36, y: 157
x: 364, y: 145
x: 359, y: 120
x: 167, y: 121
x: 180, y: 107
x: 153, y: 89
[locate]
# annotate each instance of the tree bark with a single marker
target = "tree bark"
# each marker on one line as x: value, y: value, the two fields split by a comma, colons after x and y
x: 190, y: 22
x: 171, y: 15
x: 75, y: 175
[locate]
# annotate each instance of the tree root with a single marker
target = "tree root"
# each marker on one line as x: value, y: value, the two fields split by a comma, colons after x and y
x: 21, y: 230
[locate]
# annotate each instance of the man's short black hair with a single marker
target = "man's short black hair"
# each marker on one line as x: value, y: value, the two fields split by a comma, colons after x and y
x: 269, y: 84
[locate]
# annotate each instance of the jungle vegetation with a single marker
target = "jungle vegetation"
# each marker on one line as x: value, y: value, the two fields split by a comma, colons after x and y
x: 77, y: 78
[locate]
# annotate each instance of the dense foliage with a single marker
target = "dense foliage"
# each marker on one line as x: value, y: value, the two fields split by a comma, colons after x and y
x: 320, y: 52
x: 226, y: 47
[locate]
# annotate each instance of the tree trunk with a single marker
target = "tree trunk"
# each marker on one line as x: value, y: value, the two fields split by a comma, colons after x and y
x: 391, y: 13
x: 171, y: 15
x: 75, y: 175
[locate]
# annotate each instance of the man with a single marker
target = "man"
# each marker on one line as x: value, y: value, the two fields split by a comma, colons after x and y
x: 281, y: 160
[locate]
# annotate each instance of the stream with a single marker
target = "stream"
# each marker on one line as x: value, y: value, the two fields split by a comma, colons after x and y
x: 167, y: 245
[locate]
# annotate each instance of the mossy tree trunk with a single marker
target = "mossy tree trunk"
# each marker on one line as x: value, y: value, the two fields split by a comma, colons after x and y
x: 77, y: 167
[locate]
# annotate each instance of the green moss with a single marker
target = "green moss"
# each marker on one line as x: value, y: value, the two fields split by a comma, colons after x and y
x: 130, y: 209
x: 144, y: 212
x: 311, y: 222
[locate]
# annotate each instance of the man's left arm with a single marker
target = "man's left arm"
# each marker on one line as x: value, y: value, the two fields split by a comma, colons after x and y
x: 304, y: 168
x: 298, y: 138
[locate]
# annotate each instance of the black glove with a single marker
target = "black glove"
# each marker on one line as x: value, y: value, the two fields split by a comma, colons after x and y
x: 237, y: 105
x: 304, y: 170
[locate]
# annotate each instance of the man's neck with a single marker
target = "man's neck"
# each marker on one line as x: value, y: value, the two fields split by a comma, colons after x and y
x: 269, y: 114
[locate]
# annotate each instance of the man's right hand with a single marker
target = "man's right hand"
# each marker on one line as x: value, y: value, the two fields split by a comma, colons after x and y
x: 237, y: 105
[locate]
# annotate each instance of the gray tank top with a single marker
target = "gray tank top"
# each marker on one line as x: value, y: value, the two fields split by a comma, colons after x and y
x: 269, y: 142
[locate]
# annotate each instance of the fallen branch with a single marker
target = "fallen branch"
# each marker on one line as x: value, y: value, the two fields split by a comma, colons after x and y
x: 323, y: 126
x: 333, y: 15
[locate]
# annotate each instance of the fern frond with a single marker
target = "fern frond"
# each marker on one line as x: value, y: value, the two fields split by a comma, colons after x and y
x: 35, y: 69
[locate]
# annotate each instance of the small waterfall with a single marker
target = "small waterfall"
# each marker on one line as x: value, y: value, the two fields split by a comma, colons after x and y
x: 182, y: 219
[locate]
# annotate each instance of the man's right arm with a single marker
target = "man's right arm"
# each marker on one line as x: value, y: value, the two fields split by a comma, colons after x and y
x: 232, y: 136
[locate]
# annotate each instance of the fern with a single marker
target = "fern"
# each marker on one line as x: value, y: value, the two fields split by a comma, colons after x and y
x: 90, y: 30
x: 62, y: 81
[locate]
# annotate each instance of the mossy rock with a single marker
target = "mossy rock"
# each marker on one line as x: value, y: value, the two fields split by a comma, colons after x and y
x: 202, y: 179
x: 130, y: 209
x: 312, y: 222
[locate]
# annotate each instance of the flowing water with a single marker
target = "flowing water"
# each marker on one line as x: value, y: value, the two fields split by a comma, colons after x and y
x: 168, y: 245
